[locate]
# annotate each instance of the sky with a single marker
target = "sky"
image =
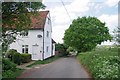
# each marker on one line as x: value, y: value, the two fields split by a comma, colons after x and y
x: 105, y: 10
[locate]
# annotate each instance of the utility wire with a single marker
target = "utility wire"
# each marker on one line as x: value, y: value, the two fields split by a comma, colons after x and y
x: 66, y: 10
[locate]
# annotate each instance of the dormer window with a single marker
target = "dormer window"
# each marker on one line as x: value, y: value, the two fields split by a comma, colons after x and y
x: 24, y: 34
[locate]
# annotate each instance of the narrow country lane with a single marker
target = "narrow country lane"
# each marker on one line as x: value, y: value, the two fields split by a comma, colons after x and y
x: 63, y: 68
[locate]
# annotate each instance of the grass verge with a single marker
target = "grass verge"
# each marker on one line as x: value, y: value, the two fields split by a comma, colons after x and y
x: 18, y: 72
x: 49, y: 60
x: 102, y: 63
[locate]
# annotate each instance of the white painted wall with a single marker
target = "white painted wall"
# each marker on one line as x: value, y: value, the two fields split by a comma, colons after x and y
x: 53, y: 49
x: 47, y: 40
x: 31, y: 40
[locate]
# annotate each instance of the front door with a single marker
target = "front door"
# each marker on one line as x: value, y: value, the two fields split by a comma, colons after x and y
x: 35, y: 52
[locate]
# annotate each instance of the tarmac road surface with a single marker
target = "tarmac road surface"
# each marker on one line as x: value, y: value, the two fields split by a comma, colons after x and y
x: 67, y: 67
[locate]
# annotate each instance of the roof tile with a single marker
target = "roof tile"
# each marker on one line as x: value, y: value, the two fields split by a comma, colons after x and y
x: 39, y: 22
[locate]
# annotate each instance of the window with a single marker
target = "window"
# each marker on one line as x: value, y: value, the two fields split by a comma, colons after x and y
x: 47, y: 33
x: 47, y: 49
x: 24, y: 48
x: 48, y: 21
x: 24, y: 34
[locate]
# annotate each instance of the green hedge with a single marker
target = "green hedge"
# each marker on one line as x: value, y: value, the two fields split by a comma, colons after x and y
x: 8, y: 74
x: 18, y: 58
x: 25, y: 57
x: 8, y: 65
x: 102, y: 63
x: 9, y: 70
x: 14, y: 56
x: 10, y: 54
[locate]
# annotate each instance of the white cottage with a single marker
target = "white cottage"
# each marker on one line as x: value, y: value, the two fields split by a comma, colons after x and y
x: 37, y: 40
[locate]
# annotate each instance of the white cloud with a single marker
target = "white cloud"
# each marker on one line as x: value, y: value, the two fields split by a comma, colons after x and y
x: 59, y: 15
x: 95, y: 7
x: 111, y: 3
x: 110, y: 20
x: 98, y: 6
x: 74, y: 7
x: 56, y: 1
x: 78, y: 6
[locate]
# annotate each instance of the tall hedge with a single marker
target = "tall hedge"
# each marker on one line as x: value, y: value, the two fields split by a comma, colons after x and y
x: 25, y: 57
x: 10, y: 54
x: 17, y: 58
x: 8, y: 65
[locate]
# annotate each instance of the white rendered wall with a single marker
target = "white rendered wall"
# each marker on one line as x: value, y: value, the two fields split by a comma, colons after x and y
x: 53, y: 49
x: 31, y: 40
x: 47, y: 40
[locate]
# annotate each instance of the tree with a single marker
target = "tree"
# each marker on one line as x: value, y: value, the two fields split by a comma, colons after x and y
x: 85, y: 33
x: 62, y: 49
x: 16, y: 18
x: 70, y: 49
x: 59, y: 47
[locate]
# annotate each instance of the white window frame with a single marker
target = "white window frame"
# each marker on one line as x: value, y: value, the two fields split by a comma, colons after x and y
x: 47, y: 49
x: 25, y: 48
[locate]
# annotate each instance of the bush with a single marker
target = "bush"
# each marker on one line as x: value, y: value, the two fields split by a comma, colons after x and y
x: 11, y: 75
x: 8, y: 74
x: 8, y: 65
x: 25, y: 57
x: 16, y: 58
x: 64, y: 53
x: 61, y: 50
x: 10, y: 53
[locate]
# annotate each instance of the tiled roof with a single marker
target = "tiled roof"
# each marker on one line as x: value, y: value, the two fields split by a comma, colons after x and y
x: 39, y: 21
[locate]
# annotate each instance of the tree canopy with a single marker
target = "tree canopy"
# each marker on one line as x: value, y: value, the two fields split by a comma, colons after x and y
x: 85, y: 33
x: 61, y: 48
x: 17, y: 14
